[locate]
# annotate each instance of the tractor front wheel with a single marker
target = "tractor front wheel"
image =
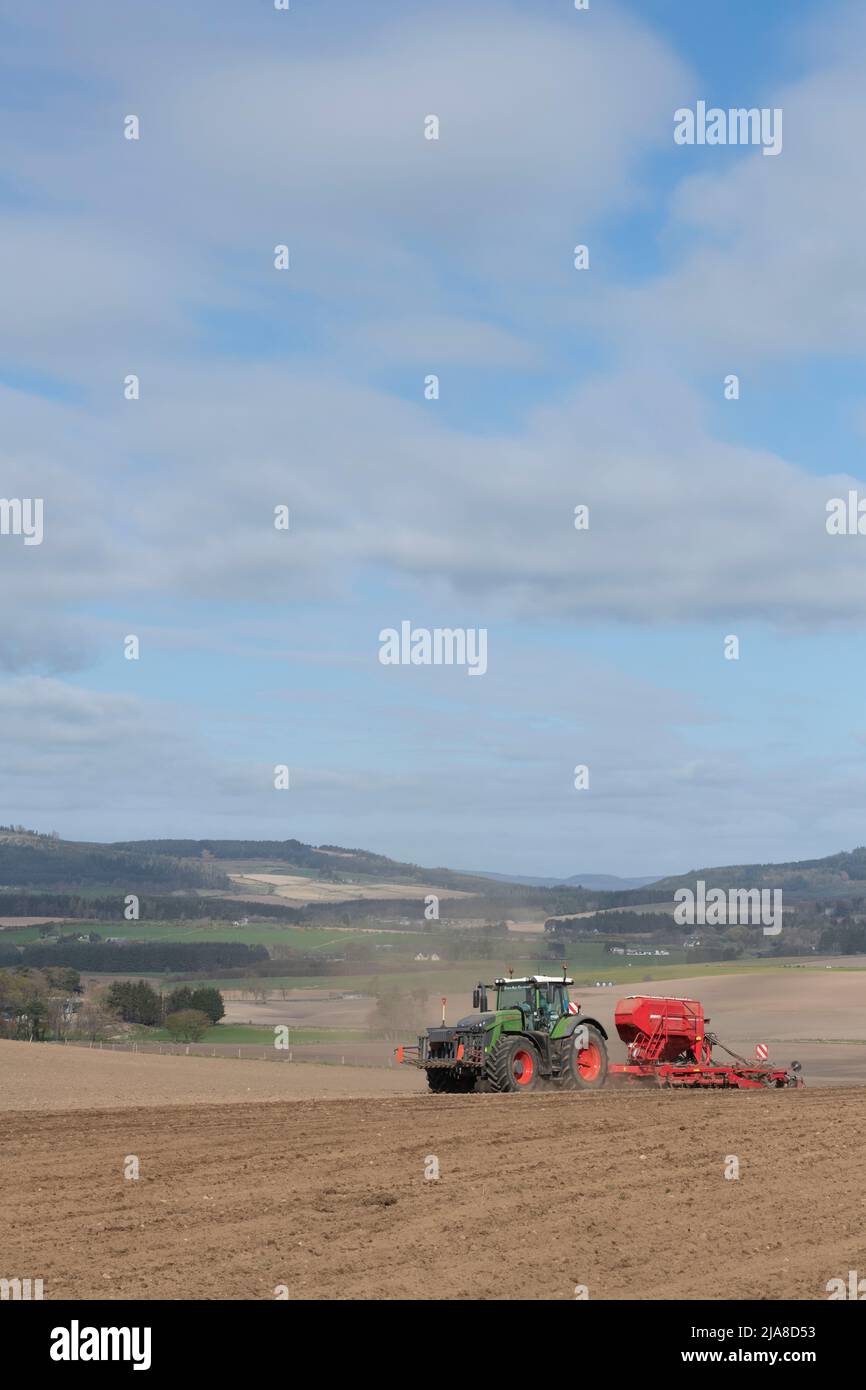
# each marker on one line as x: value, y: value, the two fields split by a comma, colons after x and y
x: 513, y: 1065
x: 585, y: 1063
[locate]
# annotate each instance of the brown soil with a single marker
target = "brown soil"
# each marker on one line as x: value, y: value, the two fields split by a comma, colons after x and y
x: 14, y: 922
x: 49, y: 1077
x: 256, y: 1174
x: 625, y: 1194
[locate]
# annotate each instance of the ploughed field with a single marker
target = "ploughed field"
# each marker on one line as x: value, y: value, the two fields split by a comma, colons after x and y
x: 622, y: 1193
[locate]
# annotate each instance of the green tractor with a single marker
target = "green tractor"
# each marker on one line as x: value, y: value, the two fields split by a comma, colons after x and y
x: 535, y: 1033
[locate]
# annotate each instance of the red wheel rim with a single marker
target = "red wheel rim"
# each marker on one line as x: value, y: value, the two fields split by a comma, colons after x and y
x: 523, y: 1067
x: 589, y: 1062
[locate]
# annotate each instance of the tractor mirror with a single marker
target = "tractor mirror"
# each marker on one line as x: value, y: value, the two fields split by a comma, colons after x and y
x: 476, y: 998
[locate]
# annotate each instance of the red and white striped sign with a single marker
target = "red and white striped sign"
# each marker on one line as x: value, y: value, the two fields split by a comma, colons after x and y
x: 762, y: 1052
x: 573, y: 1007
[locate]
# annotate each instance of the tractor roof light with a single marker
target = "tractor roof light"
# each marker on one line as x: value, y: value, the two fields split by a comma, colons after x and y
x: 535, y: 980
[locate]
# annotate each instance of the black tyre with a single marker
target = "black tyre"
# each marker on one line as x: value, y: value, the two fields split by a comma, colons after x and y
x: 513, y: 1065
x: 465, y: 1083
x: 584, y: 1066
x: 445, y: 1081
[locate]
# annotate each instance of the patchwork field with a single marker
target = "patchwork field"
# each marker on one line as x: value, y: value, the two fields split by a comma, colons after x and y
x: 298, y: 889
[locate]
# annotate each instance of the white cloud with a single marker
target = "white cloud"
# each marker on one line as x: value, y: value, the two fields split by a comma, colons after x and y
x: 683, y: 528
x: 767, y: 259
x: 245, y: 144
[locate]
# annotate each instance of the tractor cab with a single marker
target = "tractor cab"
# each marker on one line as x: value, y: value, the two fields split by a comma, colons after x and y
x: 541, y: 999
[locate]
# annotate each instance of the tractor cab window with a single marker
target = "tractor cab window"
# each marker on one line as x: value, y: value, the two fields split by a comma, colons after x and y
x: 553, y: 1001
x: 559, y: 1000
x: 512, y: 995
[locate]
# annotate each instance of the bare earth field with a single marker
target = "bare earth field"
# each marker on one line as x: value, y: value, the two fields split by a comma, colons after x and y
x: 306, y: 1008
x: 329, y: 1197
x: 48, y: 1077
x: 14, y: 922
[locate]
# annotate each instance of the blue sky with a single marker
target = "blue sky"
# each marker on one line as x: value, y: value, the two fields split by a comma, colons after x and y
x: 557, y: 387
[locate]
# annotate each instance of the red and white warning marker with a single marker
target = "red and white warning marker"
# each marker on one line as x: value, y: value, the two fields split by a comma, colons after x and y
x: 762, y: 1052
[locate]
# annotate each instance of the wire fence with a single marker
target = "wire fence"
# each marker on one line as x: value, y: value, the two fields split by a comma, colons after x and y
x: 242, y: 1052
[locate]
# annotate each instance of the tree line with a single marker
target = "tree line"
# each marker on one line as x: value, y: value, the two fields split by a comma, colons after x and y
x: 608, y: 924
x: 46, y: 862
x: 152, y: 907
x: 844, y: 938
x: 186, y: 1013
x: 132, y: 956
x: 37, y: 1005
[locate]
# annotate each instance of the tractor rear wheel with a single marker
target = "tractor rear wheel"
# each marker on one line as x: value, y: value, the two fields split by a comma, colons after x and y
x: 513, y: 1065
x: 585, y: 1063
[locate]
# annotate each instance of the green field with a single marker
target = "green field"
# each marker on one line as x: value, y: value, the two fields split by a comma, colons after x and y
x: 460, y: 978
x: 302, y: 939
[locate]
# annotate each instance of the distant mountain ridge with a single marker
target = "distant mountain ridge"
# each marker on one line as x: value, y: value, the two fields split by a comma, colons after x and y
x: 610, y: 883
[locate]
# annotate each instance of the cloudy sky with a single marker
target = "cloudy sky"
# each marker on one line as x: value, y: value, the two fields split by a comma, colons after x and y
x: 557, y: 387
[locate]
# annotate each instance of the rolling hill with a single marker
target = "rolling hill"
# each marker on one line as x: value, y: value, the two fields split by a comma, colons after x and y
x: 32, y: 861
x: 836, y: 876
